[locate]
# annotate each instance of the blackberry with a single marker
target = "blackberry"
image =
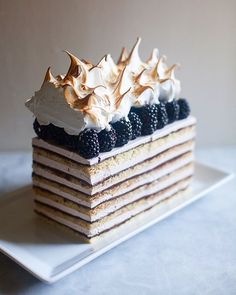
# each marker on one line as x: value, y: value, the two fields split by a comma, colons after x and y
x: 162, y: 117
x: 45, y: 132
x: 136, y: 124
x: 53, y: 133
x: 71, y: 141
x: 107, y: 140
x: 60, y: 137
x: 88, y: 145
x: 123, y: 130
x: 148, y: 117
x: 57, y: 134
x: 172, y: 109
x: 37, y: 127
x: 184, y: 109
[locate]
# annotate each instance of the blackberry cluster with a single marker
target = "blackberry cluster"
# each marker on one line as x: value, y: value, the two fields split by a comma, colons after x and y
x: 123, y: 130
x: 88, y: 145
x: 162, y: 116
x: 136, y: 124
x: 184, y: 108
x: 71, y: 141
x: 55, y: 134
x: 172, y: 109
x: 148, y: 117
x: 43, y: 131
x: 142, y: 121
x: 107, y: 140
x: 58, y: 135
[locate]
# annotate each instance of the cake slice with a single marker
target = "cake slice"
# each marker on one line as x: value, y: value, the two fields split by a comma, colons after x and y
x: 114, y: 143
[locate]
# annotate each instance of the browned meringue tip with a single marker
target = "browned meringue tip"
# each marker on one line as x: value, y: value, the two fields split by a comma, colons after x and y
x: 163, y: 80
x: 141, y: 89
x: 169, y: 72
x: 118, y: 82
x: 135, y: 48
x: 49, y: 77
x: 104, y: 58
x: 74, y: 65
x: 154, y: 53
x: 87, y: 62
x: 123, y: 56
x: 137, y: 78
x: 154, y: 72
x: 120, y: 97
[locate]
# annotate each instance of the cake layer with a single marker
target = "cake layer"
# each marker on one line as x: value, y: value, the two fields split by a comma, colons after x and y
x: 116, y: 190
x: 111, y: 166
x: 117, y: 218
x: 125, y: 175
x: 159, y: 211
x: 111, y: 206
x: 132, y: 144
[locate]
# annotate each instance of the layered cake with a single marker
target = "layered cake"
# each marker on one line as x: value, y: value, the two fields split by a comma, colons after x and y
x: 114, y: 143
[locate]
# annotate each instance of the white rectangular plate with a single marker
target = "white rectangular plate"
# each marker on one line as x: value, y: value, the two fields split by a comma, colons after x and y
x: 50, y: 253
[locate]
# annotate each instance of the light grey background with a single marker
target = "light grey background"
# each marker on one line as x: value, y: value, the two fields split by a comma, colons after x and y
x: 201, y: 35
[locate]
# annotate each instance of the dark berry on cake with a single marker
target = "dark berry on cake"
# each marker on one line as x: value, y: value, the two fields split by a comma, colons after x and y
x: 37, y: 128
x: 136, y: 124
x: 45, y: 132
x: 107, y: 140
x: 148, y: 117
x: 57, y: 134
x: 88, y: 145
x: 184, y: 108
x: 71, y: 141
x: 123, y: 130
x: 162, y: 117
x: 172, y: 109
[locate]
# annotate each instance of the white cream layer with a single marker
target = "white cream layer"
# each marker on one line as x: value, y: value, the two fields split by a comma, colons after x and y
x: 96, y: 229
x: 93, y: 202
x: 122, y: 177
x: 122, y: 201
x: 102, y: 174
x: 131, y: 144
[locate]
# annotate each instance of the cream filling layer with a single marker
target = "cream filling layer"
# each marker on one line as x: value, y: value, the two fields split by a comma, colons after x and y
x: 124, y: 175
x: 113, y: 205
x: 131, y: 144
x: 101, y: 174
x: 98, y: 227
x: 139, y: 180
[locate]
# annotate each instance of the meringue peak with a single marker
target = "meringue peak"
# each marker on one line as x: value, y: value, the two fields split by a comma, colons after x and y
x: 170, y: 70
x: 153, y: 59
x: 77, y: 67
x: 135, y: 50
x: 49, y: 77
x: 123, y: 56
x: 94, y: 95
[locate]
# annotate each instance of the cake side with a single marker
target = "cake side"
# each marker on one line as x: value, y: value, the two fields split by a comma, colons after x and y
x: 74, y: 156
x: 111, y: 205
x: 112, y: 165
x: 159, y: 211
x: 96, y: 229
x: 117, y: 189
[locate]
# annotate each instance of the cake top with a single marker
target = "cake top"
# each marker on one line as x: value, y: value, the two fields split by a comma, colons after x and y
x: 95, y: 96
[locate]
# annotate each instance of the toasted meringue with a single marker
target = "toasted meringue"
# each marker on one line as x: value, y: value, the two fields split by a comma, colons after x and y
x: 93, y: 96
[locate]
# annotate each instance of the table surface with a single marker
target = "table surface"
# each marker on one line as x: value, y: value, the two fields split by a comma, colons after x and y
x: 191, y: 252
